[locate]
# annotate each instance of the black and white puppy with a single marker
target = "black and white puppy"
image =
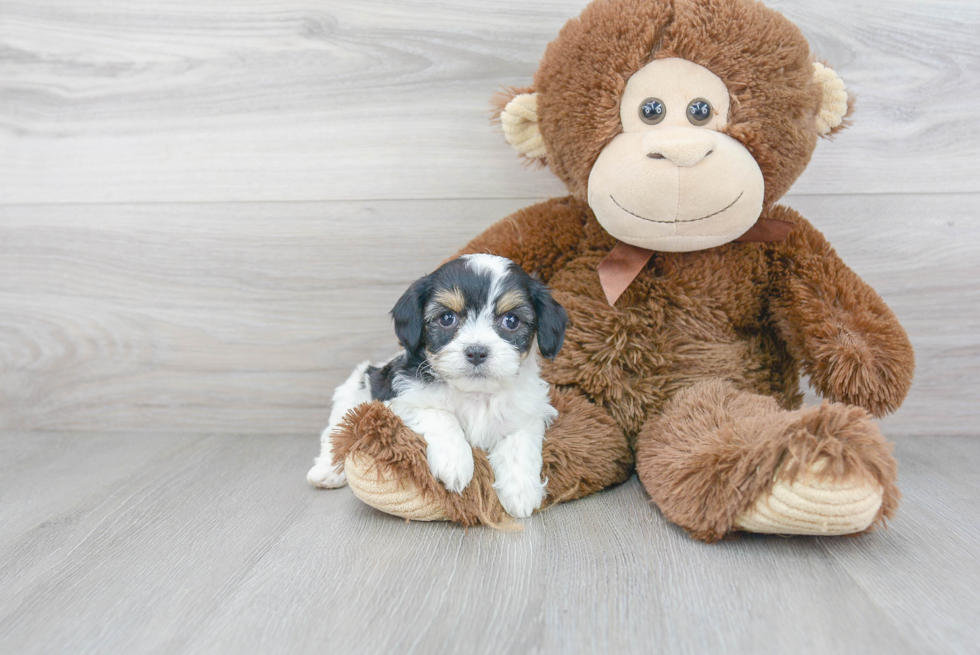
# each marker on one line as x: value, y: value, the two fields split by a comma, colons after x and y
x: 468, y: 376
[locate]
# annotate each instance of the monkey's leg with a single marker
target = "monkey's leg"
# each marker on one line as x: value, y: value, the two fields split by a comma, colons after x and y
x: 584, y: 451
x: 719, y: 460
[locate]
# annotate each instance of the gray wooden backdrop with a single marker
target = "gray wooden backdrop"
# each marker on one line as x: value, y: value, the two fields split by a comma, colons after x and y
x: 206, y: 209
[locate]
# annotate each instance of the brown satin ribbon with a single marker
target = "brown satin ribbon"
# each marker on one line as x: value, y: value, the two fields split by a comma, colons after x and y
x: 620, y: 268
x: 765, y: 230
x: 624, y: 262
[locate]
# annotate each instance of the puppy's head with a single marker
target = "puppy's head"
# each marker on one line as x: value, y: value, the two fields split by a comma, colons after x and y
x: 475, y: 320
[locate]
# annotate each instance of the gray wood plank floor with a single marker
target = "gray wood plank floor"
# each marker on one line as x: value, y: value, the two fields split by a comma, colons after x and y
x: 216, y: 544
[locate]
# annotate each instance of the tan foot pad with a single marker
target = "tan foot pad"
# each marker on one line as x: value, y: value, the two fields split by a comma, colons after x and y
x: 389, y: 494
x: 812, y: 506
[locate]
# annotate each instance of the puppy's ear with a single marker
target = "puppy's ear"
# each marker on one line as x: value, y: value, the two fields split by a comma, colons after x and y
x: 552, y: 319
x: 409, y: 315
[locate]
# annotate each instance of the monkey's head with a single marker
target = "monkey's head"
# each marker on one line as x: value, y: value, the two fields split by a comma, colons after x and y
x: 680, y: 122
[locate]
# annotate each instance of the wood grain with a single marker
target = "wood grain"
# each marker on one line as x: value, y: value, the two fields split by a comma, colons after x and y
x: 40, y: 472
x: 939, y: 488
x: 217, y: 544
x: 114, y: 101
x: 244, y: 317
x: 178, y: 317
x: 206, y: 211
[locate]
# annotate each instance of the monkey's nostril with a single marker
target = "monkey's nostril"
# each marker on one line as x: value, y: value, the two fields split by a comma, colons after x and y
x: 655, y: 155
x: 708, y: 153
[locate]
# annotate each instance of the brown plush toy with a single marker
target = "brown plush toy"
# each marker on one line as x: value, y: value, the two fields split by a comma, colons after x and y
x: 695, y: 301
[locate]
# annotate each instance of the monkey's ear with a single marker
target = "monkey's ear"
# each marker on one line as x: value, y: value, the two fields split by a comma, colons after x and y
x: 519, y: 118
x: 835, y: 104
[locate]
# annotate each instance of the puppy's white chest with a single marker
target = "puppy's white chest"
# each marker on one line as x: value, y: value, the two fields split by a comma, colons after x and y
x: 483, y: 418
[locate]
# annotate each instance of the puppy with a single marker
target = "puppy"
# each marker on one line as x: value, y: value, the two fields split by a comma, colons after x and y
x: 468, y: 376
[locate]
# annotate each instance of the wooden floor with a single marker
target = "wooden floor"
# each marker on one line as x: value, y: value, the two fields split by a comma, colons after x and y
x: 207, y: 209
x: 191, y: 544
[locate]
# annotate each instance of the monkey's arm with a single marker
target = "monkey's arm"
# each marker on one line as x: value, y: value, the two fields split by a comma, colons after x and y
x: 849, y: 342
x: 540, y: 238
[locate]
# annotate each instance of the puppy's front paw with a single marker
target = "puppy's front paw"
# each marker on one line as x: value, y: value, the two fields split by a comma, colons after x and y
x: 521, y: 498
x: 452, y: 464
x: 324, y: 475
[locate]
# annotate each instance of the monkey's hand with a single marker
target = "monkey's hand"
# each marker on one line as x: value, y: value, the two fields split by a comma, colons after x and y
x: 850, y: 343
x: 860, y: 357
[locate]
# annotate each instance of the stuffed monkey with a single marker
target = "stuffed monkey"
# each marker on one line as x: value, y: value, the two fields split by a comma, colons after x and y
x: 695, y: 301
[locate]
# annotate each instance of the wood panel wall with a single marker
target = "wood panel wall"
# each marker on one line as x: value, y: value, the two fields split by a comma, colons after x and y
x: 207, y: 209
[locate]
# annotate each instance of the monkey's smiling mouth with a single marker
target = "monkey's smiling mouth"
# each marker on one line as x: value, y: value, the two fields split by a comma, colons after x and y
x: 690, y: 220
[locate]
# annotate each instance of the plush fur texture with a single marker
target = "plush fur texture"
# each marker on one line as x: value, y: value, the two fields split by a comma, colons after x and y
x: 697, y: 364
x: 575, y: 465
x: 753, y: 314
x: 714, y: 450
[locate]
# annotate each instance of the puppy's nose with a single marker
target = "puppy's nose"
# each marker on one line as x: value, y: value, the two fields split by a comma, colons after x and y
x: 476, y: 355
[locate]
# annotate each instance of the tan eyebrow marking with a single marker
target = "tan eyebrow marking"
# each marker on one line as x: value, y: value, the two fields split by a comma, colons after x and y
x: 509, y: 301
x: 451, y: 299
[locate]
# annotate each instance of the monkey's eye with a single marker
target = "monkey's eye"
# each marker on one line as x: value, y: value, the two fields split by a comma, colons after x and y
x: 447, y: 320
x: 510, y: 322
x: 699, y: 112
x: 652, y: 111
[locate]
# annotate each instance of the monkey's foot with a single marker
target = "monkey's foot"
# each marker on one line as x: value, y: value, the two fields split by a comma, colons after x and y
x: 812, y: 504
x: 720, y: 459
x: 387, y: 468
x: 390, y: 493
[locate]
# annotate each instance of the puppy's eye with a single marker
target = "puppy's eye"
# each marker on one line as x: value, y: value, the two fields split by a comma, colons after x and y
x: 447, y: 320
x: 699, y: 112
x: 510, y: 322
